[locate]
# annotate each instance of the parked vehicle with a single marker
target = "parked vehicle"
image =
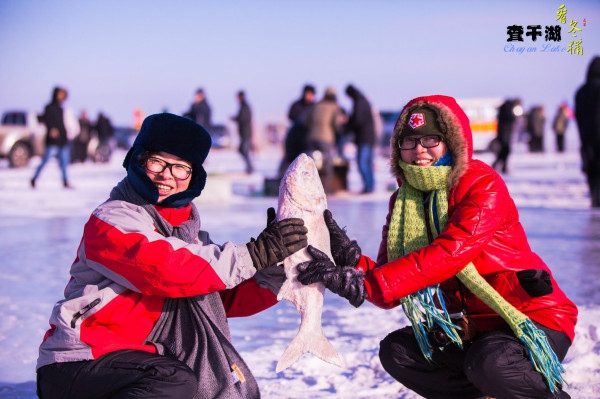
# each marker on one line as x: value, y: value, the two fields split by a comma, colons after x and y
x: 483, y: 119
x: 125, y: 136
x: 388, y: 120
x: 21, y: 137
x: 221, y: 137
x: 100, y: 151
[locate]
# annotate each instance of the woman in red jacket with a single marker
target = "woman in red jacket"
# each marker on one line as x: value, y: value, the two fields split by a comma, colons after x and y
x: 145, y: 311
x: 449, y: 212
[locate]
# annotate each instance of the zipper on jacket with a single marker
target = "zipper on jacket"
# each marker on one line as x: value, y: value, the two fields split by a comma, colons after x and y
x: 87, y: 308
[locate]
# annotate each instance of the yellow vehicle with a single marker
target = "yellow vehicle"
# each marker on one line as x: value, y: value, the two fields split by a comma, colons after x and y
x: 482, y: 114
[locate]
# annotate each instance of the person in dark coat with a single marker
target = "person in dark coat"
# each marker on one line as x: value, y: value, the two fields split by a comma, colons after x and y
x: 200, y: 111
x: 536, y: 120
x: 587, y: 114
x: 508, y: 113
x: 559, y: 125
x: 296, y: 137
x: 244, y: 122
x: 362, y: 125
x: 105, y: 128
x: 81, y: 142
x: 56, y: 136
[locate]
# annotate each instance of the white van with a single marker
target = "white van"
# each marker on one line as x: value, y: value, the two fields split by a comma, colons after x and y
x: 483, y: 117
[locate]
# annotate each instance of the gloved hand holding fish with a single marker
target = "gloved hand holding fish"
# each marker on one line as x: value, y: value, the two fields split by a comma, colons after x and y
x: 301, y: 195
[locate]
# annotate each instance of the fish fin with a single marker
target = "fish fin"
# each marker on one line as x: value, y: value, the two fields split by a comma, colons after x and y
x: 320, y: 347
x: 286, y: 291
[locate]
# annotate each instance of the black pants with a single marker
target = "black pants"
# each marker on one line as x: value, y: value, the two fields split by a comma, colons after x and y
x: 593, y: 180
x: 502, y: 158
x: 494, y: 364
x: 119, y: 375
x: 560, y: 142
x: 324, y: 164
x: 244, y: 150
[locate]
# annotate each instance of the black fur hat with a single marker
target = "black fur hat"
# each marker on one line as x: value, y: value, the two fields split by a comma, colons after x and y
x: 176, y: 135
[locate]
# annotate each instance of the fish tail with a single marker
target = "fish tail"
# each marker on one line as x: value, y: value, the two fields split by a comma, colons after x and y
x: 320, y: 347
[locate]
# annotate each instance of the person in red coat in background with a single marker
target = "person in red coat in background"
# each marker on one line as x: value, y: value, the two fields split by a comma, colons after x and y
x: 452, y: 221
x: 144, y: 314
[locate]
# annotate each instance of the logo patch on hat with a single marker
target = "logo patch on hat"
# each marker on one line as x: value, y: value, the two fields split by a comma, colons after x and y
x: 416, y: 120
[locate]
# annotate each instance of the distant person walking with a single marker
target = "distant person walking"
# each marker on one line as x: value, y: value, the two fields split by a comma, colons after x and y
x: 323, y: 121
x: 362, y: 125
x: 508, y: 114
x: 105, y: 131
x: 200, y: 111
x: 296, y: 137
x: 536, y: 120
x: 244, y: 123
x: 105, y: 128
x: 587, y: 114
x: 559, y: 125
x: 56, y: 136
x: 82, y: 141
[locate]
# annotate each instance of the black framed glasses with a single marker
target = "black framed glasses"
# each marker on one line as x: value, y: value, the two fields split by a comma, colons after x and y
x: 410, y: 143
x: 157, y: 165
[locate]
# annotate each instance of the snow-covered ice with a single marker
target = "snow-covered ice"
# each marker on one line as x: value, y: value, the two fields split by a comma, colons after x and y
x: 40, y: 230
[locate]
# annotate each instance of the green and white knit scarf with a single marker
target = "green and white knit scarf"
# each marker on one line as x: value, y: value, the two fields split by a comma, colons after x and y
x: 408, y: 232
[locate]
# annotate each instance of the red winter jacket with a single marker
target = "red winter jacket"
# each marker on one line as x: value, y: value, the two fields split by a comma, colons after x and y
x: 483, y: 228
x: 123, y: 272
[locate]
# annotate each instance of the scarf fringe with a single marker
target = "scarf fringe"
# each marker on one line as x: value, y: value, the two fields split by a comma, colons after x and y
x: 421, y: 306
x: 540, y: 352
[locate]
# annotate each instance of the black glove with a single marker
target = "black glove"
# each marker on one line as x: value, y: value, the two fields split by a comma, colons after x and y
x: 536, y: 282
x: 344, y: 251
x: 347, y: 282
x: 277, y: 241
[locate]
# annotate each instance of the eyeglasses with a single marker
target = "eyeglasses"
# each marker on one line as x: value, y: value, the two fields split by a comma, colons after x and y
x: 157, y: 165
x: 409, y: 143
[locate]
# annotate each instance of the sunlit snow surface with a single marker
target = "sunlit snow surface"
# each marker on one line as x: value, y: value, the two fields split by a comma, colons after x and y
x: 40, y: 230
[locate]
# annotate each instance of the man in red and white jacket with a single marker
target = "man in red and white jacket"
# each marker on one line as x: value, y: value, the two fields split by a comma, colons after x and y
x: 142, y: 266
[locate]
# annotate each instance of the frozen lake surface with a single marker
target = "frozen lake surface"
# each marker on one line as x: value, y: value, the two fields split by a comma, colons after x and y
x: 40, y: 230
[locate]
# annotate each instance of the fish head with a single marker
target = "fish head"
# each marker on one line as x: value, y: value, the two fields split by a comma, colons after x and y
x: 302, y: 185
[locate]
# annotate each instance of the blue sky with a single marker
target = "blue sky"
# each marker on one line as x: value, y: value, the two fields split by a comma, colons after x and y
x: 116, y: 55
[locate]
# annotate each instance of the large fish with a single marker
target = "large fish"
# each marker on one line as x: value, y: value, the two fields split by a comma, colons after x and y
x: 301, y: 195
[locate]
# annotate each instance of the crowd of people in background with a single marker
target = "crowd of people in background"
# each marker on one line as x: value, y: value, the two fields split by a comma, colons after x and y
x: 320, y: 127
x: 529, y: 127
x: 70, y: 139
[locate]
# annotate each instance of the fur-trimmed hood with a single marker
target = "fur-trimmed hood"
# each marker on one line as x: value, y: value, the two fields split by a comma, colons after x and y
x: 454, y: 123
